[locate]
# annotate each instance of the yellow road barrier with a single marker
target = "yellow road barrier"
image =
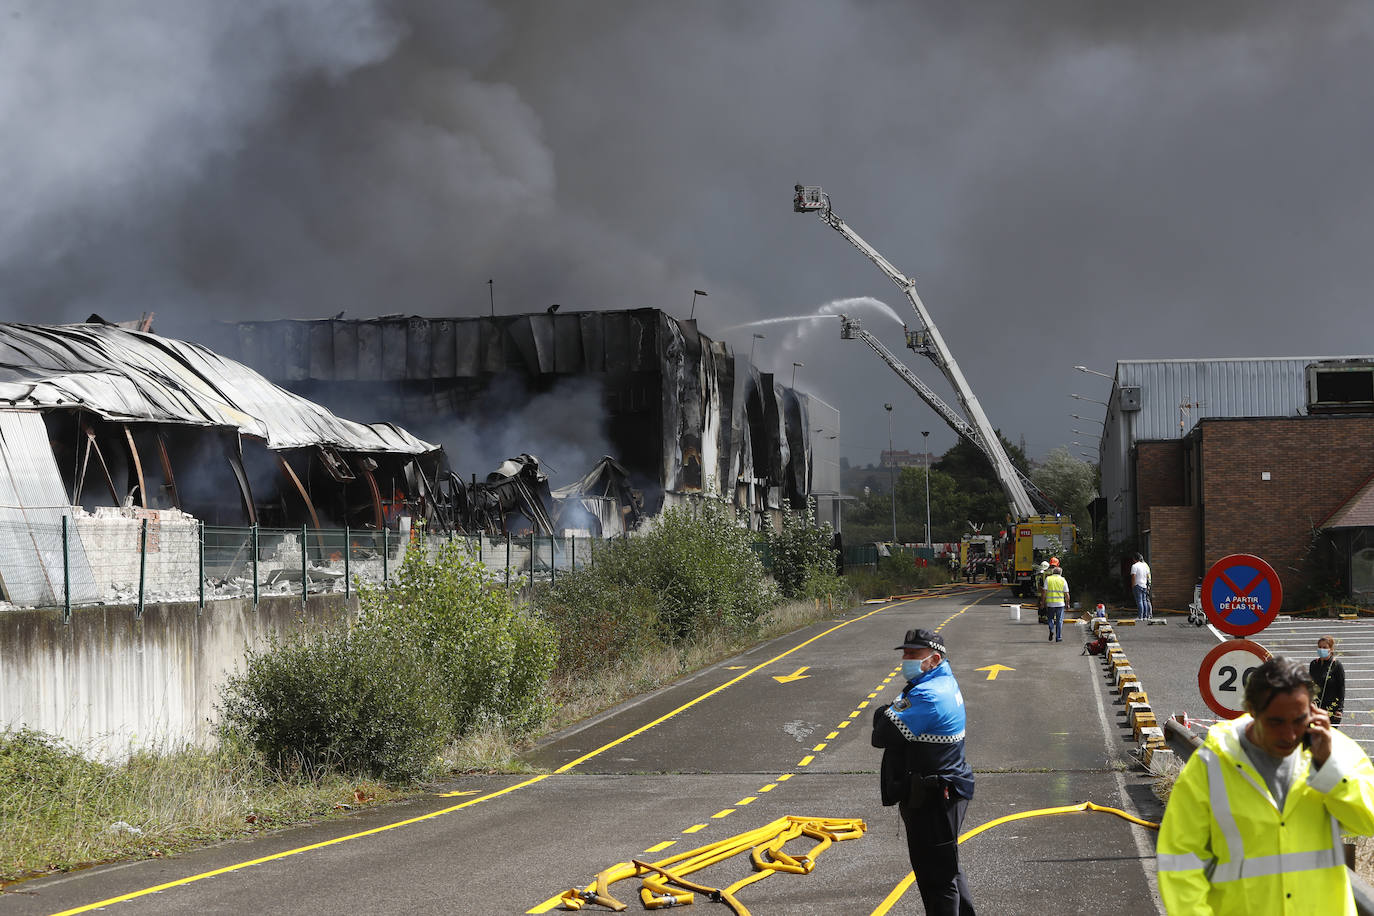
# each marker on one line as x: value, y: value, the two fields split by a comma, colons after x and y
x: 665, y: 883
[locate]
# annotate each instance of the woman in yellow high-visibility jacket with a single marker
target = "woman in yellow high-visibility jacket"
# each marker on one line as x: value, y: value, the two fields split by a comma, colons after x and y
x: 1255, y: 819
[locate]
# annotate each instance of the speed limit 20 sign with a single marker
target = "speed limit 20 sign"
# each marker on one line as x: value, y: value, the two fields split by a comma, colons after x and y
x: 1221, y: 677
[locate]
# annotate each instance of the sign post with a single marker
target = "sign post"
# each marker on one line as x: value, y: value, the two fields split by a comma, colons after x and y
x: 1241, y: 594
x: 1221, y: 677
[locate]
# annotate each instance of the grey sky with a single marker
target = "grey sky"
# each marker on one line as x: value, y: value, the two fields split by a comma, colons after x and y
x: 1069, y: 182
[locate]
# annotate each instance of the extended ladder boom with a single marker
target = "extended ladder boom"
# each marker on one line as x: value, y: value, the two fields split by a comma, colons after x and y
x: 810, y: 199
x: 850, y: 329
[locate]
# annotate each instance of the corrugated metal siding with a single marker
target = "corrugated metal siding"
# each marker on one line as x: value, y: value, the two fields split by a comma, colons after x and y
x: 1222, y: 388
x: 1261, y: 387
x: 32, y: 504
x: 128, y: 375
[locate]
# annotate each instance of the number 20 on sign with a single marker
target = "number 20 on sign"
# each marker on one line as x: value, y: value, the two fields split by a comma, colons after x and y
x: 1222, y: 675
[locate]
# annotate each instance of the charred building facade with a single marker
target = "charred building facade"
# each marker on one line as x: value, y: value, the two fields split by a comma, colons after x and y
x: 679, y: 413
x: 102, y: 426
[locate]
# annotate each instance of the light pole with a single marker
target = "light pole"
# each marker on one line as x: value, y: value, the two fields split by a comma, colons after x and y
x: 891, y: 479
x: 795, y: 367
x: 1092, y: 371
x: 757, y: 338
x: 695, y: 293
x: 925, y: 447
x: 1089, y: 419
x: 1079, y: 397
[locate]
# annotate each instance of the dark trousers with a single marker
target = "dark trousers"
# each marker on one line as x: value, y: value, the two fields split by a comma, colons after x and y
x: 932, y: 840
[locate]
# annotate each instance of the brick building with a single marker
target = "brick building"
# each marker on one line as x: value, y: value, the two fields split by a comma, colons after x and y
x: 1205, y: 458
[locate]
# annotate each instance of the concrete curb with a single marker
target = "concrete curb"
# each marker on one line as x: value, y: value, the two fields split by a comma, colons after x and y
x: 1153, y: 750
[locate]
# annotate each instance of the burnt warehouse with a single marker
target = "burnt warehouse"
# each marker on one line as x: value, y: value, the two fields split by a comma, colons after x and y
x: 678, y: 411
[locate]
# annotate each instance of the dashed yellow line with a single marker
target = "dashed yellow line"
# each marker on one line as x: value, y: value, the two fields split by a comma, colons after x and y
x: 695, y: 828
x: 832, y: 736
x: 784, y: 777
x: 662, y: 846
x: 806, y: 761
x: 727, y: 812
x: 844, y: 724
x: 744, y: 801
x: 768, y: 788
x: 819, y: 747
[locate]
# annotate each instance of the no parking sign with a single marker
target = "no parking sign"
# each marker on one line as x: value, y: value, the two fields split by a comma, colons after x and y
x: 1241, y: 594
x: 1221, y: 677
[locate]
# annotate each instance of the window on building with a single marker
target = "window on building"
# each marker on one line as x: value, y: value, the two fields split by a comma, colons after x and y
x: 1362, y: 573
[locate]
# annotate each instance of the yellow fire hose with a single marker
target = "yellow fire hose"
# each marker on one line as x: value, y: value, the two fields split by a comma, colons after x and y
x: 764, y: 844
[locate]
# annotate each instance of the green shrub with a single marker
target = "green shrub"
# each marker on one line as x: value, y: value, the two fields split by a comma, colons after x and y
x: 338, y: 700
x: 443, y: 651
x: 803, y: 556
x: 694, y: 573
x: 895, y: 575
x: 491, y: 656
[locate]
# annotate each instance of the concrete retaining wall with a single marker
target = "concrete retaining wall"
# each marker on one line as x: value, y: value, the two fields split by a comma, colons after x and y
x: 109, y: 683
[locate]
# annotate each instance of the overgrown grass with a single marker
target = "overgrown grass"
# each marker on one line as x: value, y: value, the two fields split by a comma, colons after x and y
x: 443, y: 675
x: 60, y: 810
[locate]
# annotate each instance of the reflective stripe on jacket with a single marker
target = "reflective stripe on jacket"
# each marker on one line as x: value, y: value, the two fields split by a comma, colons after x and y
x: 1225, y: 847
x: 1056, y: 590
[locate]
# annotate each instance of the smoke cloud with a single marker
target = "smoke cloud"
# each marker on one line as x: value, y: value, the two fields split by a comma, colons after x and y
x: 1069, y: 182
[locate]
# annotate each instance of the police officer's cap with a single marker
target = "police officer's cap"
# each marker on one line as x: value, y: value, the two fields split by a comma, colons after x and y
x: 923, y: 639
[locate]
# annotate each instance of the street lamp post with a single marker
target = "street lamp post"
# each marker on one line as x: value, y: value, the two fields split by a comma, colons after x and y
x: 795, y: 367
x: 757, y: 338
x: 925, y: 447
x: 891, y: 479
x: 1079, y: 397
x: 1092, y: 371
x: 695, y: 293
x: 1089, y: 419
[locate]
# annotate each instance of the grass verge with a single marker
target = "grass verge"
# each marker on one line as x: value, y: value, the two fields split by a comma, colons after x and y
x: 60, y: 810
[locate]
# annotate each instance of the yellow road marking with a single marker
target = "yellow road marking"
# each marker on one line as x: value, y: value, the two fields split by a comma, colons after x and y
x: 819, y: 747
x: 727, y: 811
x: 784, y: 777
x: 456, y: 794
x: 730, y: 683
x: 873, y: 694
x: 854, y: 715
x: 662, y: 846
x: 806, y: 761
x: 291, y: 852
x: 994, y: 670
x: 744, y: 801
x: 863, y: 704
x: 832, y: 736
x: 769, y: 788
x: 794, y: 676
x: 695, y: 828
x: 844, y: 724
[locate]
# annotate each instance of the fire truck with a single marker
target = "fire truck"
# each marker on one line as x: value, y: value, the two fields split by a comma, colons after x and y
x: 1037, y: 531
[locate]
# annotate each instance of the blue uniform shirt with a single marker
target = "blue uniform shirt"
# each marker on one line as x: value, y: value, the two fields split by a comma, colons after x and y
x: 930, y: 716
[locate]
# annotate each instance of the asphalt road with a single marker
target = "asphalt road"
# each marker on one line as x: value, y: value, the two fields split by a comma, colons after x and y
x: 722, y: 752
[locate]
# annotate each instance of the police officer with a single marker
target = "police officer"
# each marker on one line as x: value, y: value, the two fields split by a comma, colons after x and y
x: 924, y: 771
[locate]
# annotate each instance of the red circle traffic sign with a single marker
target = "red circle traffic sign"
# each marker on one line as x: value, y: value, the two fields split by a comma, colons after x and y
x: 1222, y: 675
x: 1241, y: 594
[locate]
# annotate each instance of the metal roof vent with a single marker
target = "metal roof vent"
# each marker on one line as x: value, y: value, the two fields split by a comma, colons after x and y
x: 1340, y: 385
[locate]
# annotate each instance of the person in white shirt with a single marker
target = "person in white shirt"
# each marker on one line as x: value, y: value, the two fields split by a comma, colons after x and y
x: 1140, y: 584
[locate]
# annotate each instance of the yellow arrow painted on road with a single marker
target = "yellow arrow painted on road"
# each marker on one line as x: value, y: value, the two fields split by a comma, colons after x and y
x: 994, y: 670
x: 794, y: 676
x: 455, y: 794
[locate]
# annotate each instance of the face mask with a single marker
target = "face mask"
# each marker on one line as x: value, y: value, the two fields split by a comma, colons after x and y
x: 913, y: 669
x: 1323, y: 652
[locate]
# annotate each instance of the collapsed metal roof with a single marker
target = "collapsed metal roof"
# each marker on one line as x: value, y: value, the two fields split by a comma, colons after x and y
x: 131, y: 376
